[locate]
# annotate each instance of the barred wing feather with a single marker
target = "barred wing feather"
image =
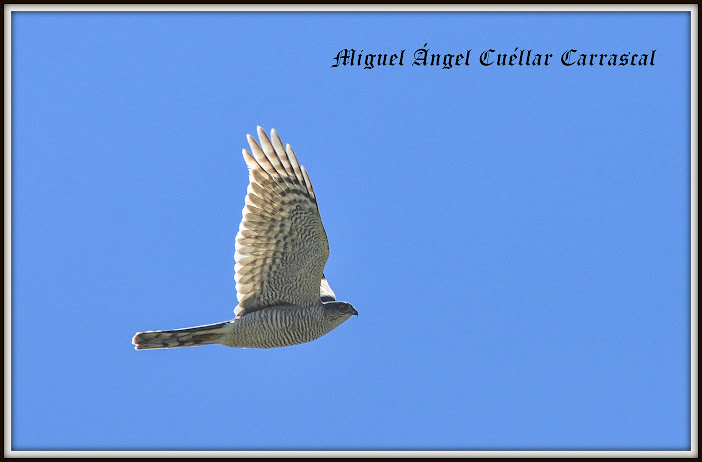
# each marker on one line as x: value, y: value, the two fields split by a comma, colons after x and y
x: 281, y: 246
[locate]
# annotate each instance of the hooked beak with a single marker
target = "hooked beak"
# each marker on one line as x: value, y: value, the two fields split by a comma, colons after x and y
x: 355, y: 313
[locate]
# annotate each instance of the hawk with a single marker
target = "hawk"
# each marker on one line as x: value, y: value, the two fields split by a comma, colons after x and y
x: 281, y: 249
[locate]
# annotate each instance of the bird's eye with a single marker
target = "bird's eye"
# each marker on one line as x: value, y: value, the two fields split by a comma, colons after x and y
x: 341, y: 307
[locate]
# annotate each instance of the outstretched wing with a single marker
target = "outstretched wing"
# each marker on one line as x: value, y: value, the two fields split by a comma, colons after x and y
x: 281, y: 246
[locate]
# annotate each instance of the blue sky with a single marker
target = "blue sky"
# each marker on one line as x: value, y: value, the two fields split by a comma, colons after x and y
x: 515, y: 239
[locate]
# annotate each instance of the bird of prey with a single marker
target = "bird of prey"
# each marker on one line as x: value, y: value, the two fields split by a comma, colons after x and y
x: 281, y: 249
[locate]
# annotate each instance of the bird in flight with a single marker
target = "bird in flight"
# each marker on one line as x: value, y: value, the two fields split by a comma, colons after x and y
x: 281, y: 249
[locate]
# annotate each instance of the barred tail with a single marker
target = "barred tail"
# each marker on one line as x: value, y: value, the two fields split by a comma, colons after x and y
x: 190, y: 336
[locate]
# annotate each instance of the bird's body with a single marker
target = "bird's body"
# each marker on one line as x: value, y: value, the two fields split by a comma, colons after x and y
x: 281, y: 250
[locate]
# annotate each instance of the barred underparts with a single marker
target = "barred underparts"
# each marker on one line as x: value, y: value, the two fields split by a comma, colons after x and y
x: 281, y: 249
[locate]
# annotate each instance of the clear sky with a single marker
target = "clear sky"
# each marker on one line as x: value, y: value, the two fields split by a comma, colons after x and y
x: 515, y: 239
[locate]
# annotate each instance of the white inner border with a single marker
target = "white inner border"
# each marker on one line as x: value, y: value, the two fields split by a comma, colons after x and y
x: 692, y: 9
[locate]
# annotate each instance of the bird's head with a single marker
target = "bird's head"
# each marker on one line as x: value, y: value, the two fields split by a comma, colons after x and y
x: 338, y: 312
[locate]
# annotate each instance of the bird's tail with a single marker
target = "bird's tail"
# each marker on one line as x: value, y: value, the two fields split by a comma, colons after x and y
x: 190, y: 336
